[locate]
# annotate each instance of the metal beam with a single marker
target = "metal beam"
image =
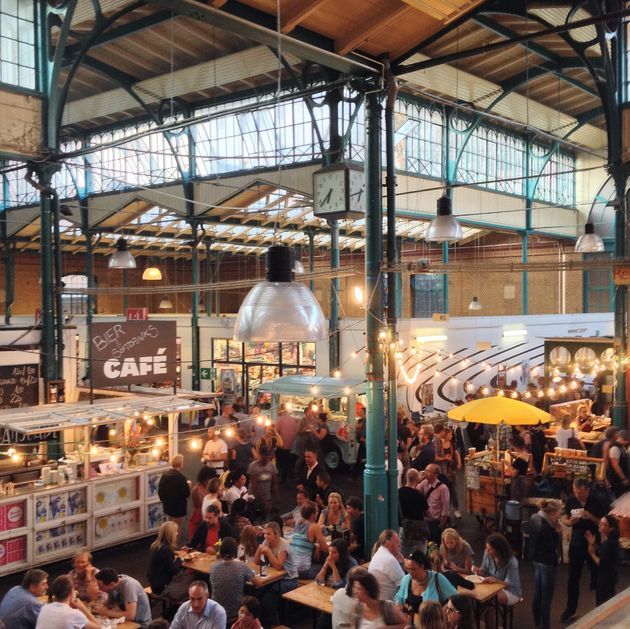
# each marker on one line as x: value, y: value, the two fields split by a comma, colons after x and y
x: 266, y: 36
x: 121, y: 32
x: 488, y: 48
x: 541, y: 51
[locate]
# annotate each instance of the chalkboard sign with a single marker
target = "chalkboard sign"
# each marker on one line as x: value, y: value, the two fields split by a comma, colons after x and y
x: 574, y: 465
x: 19, y: 386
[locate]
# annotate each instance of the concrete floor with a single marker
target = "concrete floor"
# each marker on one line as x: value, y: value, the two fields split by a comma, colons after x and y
x: 132, y: 558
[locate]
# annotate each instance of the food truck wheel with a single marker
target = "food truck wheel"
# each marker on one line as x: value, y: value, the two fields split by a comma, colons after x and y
x: 333, y: 459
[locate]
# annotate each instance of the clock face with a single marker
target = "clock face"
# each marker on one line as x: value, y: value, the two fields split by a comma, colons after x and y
x: 329, y: 192
x: 338, y: 191
x: 357, y: 190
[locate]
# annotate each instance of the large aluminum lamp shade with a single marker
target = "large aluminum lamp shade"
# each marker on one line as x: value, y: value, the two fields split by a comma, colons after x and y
x: 278, y: 308
x: 121, y: 258
x: 444, y: 227
x: 589, y: 241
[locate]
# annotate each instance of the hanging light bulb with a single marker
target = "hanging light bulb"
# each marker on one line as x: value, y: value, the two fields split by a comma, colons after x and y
x: 500, y: 393
x: 444, y: 227
x: 121, y: 258
x: 152, y: 273
x: 337, y: 373
x: 279, y: 308
x: 298, y: 267
x: 358, y: 295
x: 589, y: 241
x: 195, y: 444
x: 474, y: 304
x: 165, y: 304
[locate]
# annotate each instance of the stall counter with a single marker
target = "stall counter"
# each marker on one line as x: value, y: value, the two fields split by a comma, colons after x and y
x: 41, y: 524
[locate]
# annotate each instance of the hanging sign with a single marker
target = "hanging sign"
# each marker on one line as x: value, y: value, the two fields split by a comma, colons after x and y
x: 137, y: 314
x: 621, y: 274
x: 133, y: 352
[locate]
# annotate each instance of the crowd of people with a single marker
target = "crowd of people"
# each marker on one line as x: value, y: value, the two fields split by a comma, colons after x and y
x: 416, y: 575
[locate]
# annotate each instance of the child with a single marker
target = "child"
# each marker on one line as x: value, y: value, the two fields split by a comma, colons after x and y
x: 248, y: 614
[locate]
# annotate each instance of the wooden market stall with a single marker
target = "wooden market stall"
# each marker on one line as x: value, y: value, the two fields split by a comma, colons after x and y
x: 82, y: 493
x: 487, y: 486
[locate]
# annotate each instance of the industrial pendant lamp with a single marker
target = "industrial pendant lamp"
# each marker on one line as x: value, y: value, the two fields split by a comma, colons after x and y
x: 444, y: 227
x: 589, y: 241
x: 166, y: 304
x: 279, y: 308
x: 121, y: 258
x: 474, y: 304
x: 152, y: 273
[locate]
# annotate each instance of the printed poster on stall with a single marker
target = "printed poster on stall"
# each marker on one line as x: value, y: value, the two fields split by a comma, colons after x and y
x: 133, y: 352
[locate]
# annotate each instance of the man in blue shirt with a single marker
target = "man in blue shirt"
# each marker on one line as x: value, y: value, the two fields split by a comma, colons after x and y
x: 199, y: 612
x: 21, y: 606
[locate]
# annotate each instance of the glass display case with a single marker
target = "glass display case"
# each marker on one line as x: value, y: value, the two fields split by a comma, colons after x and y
x: 241, y: 368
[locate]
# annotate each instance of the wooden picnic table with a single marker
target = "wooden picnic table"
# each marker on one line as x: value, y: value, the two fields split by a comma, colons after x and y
x: 127, y: 624
x: 483, y: 592
x: 313, y: 595
x: 202, y: 562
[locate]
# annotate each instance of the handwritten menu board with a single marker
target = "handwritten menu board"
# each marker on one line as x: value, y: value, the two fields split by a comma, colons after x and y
x: 574, y: 465
x: 19, y: 386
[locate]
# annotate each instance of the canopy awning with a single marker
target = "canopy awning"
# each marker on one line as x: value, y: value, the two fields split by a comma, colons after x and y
x: 33, y: 420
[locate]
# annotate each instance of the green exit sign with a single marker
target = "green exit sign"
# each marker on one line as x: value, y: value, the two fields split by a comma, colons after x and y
x: 208, y: 373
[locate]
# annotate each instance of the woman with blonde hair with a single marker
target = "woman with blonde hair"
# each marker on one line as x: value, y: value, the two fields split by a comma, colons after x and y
x: 163, y: 564
x: 455, y: 553
x: 335, y: 514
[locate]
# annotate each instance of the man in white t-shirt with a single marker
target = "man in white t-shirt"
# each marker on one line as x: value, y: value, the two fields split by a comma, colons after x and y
x: 386, y: 564
x: 68, y: 611
x: 215, y: 451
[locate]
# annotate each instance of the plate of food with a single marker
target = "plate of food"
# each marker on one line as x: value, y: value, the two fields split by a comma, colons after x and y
x: 474, y: 578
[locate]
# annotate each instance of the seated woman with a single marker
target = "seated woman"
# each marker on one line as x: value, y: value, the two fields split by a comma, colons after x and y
x: 370, y: 612
x: 459, y: 612
x: 237, y: 519
x: 275, y: 552
x: 82, y: 573
x: 455, y: 555
x: 210, y: 531
x: 228, y: 578
x: 334, y: 515
x: 432, y: 616
x: 249, y: 544
x: 342, y: 601
x: 215, y: 492
x: 306, y: 533
x: 421, y: 584
x: 163, y: 564
x: 500, y: 564
x: 337, y: 564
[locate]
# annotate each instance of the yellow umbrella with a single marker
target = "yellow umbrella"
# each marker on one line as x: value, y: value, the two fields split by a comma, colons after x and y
x: 499, y: 410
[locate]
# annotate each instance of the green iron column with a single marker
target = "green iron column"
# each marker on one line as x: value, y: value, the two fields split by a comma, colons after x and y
x: 445, y: 277
x: 620, y: 403
x: 375, y: 485
x: 194, y: 263
x: 9, y: 281
x: 47, y: 344
x: 524, y: 256
x: 208, y: 277
x: 89, y: 270
x: 333, y: 319
x: 311, y: 255
x: 393, y: 260
x: 58, y: 274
